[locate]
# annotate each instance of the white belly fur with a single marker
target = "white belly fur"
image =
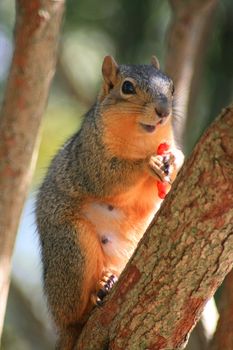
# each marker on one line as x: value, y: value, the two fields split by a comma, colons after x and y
x: 120, y: 232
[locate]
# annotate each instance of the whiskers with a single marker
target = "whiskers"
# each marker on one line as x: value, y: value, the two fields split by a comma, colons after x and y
x: 179, y: 107
x: 179, y: 117
x: 125, y: 107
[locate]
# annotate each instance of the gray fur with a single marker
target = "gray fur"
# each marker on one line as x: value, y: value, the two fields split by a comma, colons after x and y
x: 83, y: 167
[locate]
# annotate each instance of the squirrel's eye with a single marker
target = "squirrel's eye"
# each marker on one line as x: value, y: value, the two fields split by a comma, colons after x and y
x: 128, y: 88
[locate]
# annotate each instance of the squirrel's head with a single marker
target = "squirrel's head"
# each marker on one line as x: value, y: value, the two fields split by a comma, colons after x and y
x: 135, y: 104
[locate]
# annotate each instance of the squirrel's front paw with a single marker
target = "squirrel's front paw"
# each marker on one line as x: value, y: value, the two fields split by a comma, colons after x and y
x: 103, y: 287
x: 160, y: 166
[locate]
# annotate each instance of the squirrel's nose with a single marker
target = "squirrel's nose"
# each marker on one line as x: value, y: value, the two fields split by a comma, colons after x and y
x: 162, y: 112
x: 162, y: 107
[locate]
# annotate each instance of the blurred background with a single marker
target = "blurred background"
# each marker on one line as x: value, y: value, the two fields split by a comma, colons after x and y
x: 131, y: 32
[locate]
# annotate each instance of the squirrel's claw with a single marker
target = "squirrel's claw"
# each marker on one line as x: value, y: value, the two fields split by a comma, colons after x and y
x: 160, y: 166
x: 103, y: 287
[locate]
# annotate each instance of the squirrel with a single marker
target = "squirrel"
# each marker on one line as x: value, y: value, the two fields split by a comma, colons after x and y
x: 100, y: 195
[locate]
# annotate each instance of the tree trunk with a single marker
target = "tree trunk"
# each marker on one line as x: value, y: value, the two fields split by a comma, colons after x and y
x: 22, y: 325
x: 36, y: 41
x: 185, y: 53
x: 181, y: 260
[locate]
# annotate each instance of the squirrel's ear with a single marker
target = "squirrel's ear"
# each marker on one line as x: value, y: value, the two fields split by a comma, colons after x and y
x: 109, y: 71
x: 155, y: 62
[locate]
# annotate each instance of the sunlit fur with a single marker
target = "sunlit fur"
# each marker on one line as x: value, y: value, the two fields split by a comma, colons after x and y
x: 123, y: 134
x: 100, y: 185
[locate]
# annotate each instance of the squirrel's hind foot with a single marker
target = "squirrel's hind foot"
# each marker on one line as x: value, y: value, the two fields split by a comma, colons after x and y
x: 103, y: 287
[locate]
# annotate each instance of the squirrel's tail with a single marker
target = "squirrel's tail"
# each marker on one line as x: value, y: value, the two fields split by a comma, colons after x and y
x: 67, y: 339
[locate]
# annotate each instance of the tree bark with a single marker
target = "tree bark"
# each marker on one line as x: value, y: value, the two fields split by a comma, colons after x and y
x: 36, y: 41
x: 185, y: 52
x: 223, y: 338
x: 181, y: 260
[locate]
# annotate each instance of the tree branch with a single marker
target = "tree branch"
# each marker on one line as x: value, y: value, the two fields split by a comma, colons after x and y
x: 223, y: 338
x: 36, y: 41
x: 181, y: 260
x: 198, y: 338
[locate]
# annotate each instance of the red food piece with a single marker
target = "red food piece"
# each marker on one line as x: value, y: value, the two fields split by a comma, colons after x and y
x: 162, y: 186
x: 162, y: 148
x: 162, y: 189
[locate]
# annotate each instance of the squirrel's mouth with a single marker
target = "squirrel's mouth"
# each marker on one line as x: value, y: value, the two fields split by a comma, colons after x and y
x: 150, y: 127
